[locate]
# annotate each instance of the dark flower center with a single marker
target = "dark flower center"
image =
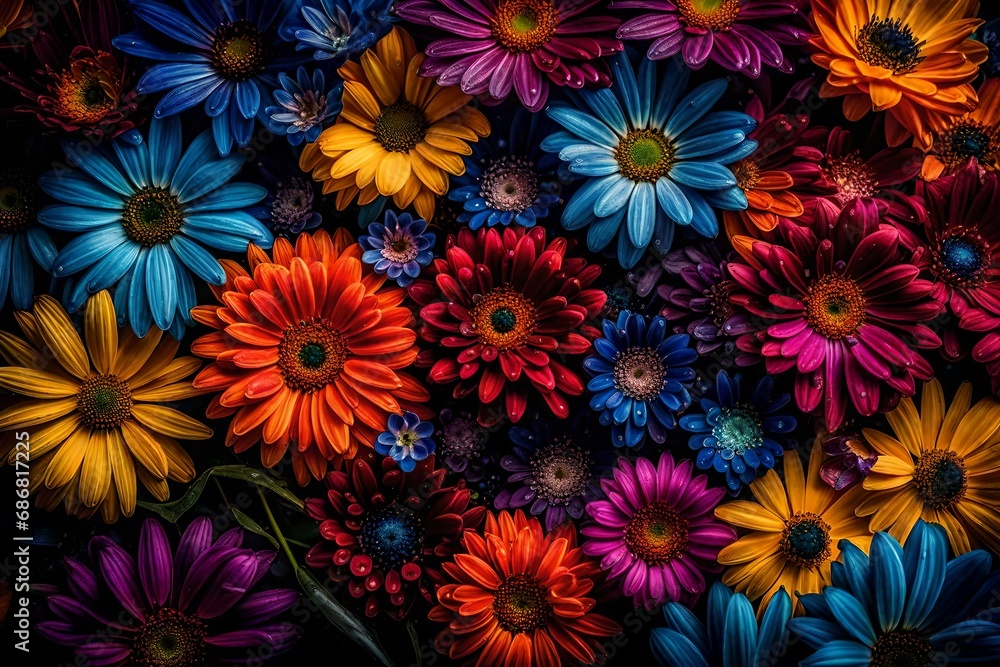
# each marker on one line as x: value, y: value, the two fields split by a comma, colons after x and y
x: 463, y: 438
x: 239, y: 51
x: 521, y: 604
x: 560, y: 471
x: 961, y: 257
x: 721, y: 309
x: 805, y: 541
x: 889, y: 43
x: 311, y: 109
x: 709, y: 14
x: 968, y: 139
x: 392, y: 536
x: 400, y: 127
x: 902, y: 648
x: 169, y: 638
x: 503, y: 318
x: 509, y: 184
x: 639, y: 373
x: 524, y: 25
x: 835, y: 306
x: 747, y: 174
x: 292, y: 205
x: 399, y: 246
x: 657, y: 533
x: 311, y: 354
x: 152, y: 216
x: 644, y: 155
x: 940, y: 478
x: 739, y: 429
x: 620, y: 296
x: 17, y: 202
x: 104, y: 401
x: 851, y: 177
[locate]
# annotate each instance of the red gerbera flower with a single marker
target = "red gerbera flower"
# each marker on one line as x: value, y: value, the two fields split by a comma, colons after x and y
x: 504, y: 301
x: 308, y: 351
x: 385, y: 536
x: 841, y: 306
x: 519, y: 596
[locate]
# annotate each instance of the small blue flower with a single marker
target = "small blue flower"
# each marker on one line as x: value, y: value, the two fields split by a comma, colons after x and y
x: 224, y: 54
x: 652, y: 159
x: 509, y: 179
x: 903, y: 605
x: 730, y: 636
x: 303, y: 105
x: 289, y: 207
x: 21, y: 240
x: 739, y: 438
x: 640, y: 378
x: 399, y: 247
x: 336, y: 30
x: 144, y: 214
x: 407, y: 440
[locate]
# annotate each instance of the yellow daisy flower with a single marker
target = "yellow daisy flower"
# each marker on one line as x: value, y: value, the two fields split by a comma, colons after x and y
x: 941, y: 467
x: 91, y: 412
x: 399, y: 134
x: 795, y: 529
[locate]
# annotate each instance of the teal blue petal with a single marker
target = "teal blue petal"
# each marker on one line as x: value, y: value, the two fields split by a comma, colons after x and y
x: 857, y: 571
x: 229, y: 196
x: 583, y: 125
x: 164, y: 149
x: 161, y: 285
x: 602, y: 230
x: 199, y: 260
x: 628, y: 253
x: 675, y: 650
x: 210, y: 176
x: 595, y: 166
x: 199, y: 152
x: 77, y: 218
x: 605, y: 106
x: 740, y: 642
x: 840, y: 653
x: 579, y: 212
x: 86, y: 249
x: 702, y: 175
x: 642, y: 214
x: 816, y: 632
x: 626, y: 87
x: 673, y: 202
x: 888, y: 579
x: 99, y: 167
x: 695, y: 105
x: 239, y: 223
x: 680, y: 619
x: 706, y: 144
x: 614, y: 198
x: 135, y: 161
x: 671, y: 87
x: 703, y: 218
x: 773, y: 636
x: 718, y: 604
x: 925, y: 558
x: 850, y: 614
x: 75, y: 188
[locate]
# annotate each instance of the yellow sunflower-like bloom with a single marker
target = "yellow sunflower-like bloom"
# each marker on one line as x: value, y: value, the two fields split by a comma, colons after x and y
x: 913, y: 59
x: 974, y: 135
x: 941, y: 467
x: 795, y: 532
x: 399, y: 134
x: 91, y: 412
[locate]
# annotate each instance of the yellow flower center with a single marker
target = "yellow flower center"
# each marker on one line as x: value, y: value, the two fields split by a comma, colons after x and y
x: 503, y: 318
x: 644, y: 155
x: 104, y: 401
x: 311, y: 354
x: 84, y: 94
x: 400, y: 127
x: 17, y: 202
x: 169, y: 638
x: 152, y: 216
x: 521, y: 604
x: 835, y: 306
x: 805, y: 540
x: 524, y: 25
x: 940, y: 478
x: 239, y: 51
x: 747, y: 174
x: 709, y: 14
x: 890, y: 44
x: 657, y: 533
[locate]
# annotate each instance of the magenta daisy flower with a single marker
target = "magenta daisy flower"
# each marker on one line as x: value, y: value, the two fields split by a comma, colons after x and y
x: 841, y: 306
x: 189, y: 606
x: 495, y: 46
x: 657, y: 532
x: 740, y: 35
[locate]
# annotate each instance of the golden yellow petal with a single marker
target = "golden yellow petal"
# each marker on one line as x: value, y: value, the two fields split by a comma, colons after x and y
x: 170, y: 422
x: 33, y: 413
x: 956, y: 411
x: 769, y: 491
x: 344, y: 137
x: 977, y: 427
x: 18, y: 352
x: 890, y: 465
x: 181, y: 466
x: 110, y: 507
x: 746, y: 514
x: 393, y: 172
x: 906, y: 425
x: 44, y: 439
x: 818, y: 493
x: 885, y: 444
x: 133, y: 352
x: 353, y: 160
x: 387, y: 86
x: 750, y: 547
x: 65, y: 463
x: 158, y: 487
x: 417, y: 88
x: 101, y: 331
x: 95, y: 474
x: 892, y: 510
x: 123, y: 472
x: 159, y: 363
x: 36, y: 384
x: 361, y: 98
x: 145, y: 449
x: 931, y: 412
x: 449, y: 162
x: 771, y: 572
x: 55, y: 327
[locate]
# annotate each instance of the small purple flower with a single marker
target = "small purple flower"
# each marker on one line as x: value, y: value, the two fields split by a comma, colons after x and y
x: 303, y: 105
x: 463, y: 442
x: 399, y: 247
x: 406, y: 440
x: 849, y: 458
x: 188, y: 607
x: 288, y: 208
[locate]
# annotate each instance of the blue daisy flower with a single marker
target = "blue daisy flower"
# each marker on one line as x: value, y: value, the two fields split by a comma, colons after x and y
x: 640, y: 378
x: 399, y: 247
x: 21, y: 240
x: 224, y: 54
x: 303, y: 105
x: 739, y: 438
x: 336, y: 30
x: 509, y: 179
x: 651, y: 158
x: 290, y: 206
x: 406, y: 440
x: 144, y: 214
x: 904, y: 605
x: 730, y: 637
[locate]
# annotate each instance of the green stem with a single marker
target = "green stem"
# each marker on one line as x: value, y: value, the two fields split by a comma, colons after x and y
x: 415, y: 640
x: 277, y: 531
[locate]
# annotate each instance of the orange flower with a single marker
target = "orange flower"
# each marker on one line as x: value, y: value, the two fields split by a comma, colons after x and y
x: 974, y: 135
x: 307, y: 351
x: 518, y: 595
x: 914, y: 60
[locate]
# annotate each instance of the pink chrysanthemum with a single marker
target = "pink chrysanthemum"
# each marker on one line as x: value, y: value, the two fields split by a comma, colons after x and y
x: 657, y: 532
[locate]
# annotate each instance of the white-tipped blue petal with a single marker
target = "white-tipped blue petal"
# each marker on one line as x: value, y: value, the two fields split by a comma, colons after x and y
x: 675, y: 650
x: 164, y: 149
x: 580, y: 151
x: 135, y: 161
x: 583, y: 125
x: 702, y: 175
x: 161, y: 285
x: 78, y: 189
x: 580, y: 210
x: 740, y: 640
x: 99, y: 167
x: 707, y: 144
x: 238, y: 223
x: 642, y: 214
x: 695, y: 105
x: 888, y: 579
x: 164, y: 76
x: 199, y: 260
x: 614, y: 198
x: 86, y: 249
x: 595, y: 166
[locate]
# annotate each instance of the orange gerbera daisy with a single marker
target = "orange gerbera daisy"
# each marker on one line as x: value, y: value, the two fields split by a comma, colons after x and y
x: 974, y: 135
x: 914, y: 60
x: 308, y: 351
x: 399, y: 134
x: 518, y: 595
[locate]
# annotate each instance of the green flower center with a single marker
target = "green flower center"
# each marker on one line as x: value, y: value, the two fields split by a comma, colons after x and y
x: 902, y: 648
x: 805, y: 541
x: 239, y: 51
x: 152, y: 216
x: 524, y: 25
x: 889, y: 43
x: 169, y: 638
x: 738, y: 430
x: 521, y: 604
x: 104, y: 401
x: 400, y: 127
x: 644, y: 155
x: 718, y: 15
x: 941, y: 478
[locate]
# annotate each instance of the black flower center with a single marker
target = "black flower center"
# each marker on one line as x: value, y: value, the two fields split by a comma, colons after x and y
x: 940, y: 478
x: 169, y: 638
x: 400, y: 127
x: 17, y: 202
x: 392, y: 536
x: 239, y: 51
x: 889, y: 43
x: 521, y: 604
x: 104, y: 401
x: 902, y: 648
x: 805, y: 541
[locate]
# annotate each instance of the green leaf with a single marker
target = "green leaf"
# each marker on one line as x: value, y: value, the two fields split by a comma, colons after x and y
x: 341, y: 618
x: 172, y: 511
x: 252, y: 526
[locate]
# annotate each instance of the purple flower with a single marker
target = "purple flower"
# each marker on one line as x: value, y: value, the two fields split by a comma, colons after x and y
x: 849, y: 458
x: 399, y: 247
x: 740, y: 35
x: 463, y: 443
x: 407, y: 440
x: 187, y: 607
